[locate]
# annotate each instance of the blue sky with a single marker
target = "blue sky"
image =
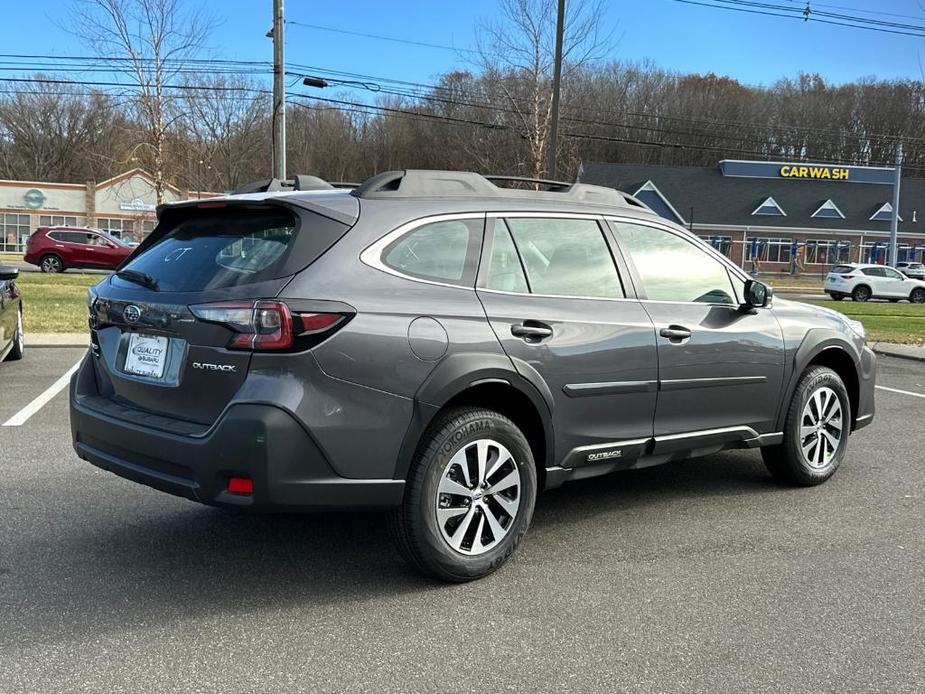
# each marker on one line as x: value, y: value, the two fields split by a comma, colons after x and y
x: 754, y: 49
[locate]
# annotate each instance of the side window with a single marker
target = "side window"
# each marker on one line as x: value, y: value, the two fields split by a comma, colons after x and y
x: 874, y: 272
x: 504, y: 271
x: 566, y: 257
x: 441, y: 251
x: 672, y: 268
x: 892, y: 274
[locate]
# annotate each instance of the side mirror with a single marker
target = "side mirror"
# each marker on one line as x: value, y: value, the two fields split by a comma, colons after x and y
x: 8, y: 274
x: 757, y: 294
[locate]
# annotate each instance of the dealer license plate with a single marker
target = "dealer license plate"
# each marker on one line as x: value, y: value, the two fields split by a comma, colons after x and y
x: 146, y: 355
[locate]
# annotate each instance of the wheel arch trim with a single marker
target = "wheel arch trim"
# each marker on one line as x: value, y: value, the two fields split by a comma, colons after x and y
x: 455, y: 375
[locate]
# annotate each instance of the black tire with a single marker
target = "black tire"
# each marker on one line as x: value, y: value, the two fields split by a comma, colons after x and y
x: 917, y: 296
x: 836, y: 297
x: 414, y: 526
x: 51, y: 263
x: 861, y: 293
x: 786, y: 461
x: 19, y: 343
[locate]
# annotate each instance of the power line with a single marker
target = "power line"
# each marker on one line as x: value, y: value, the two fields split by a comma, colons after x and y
x: 379, y: 37
x: 770, y: 10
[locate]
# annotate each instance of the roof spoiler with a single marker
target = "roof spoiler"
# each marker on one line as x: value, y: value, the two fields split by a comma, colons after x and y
x: 423, y: 183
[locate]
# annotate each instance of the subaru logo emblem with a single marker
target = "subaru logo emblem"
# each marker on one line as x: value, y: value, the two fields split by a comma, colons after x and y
x: 131, y: 313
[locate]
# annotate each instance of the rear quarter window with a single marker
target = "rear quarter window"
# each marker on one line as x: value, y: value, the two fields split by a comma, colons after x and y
x: 842, y: 269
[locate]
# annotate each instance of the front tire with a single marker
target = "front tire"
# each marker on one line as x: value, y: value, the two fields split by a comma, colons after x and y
x: 51, y: 263
x: 815, y: 431
x: 19, y: 341
x: 917, y: 296
x: 861, y: 293
x: 469, y: 496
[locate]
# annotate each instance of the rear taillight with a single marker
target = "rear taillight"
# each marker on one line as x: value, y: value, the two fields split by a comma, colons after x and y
x: 266, y: 324
x: 848, y: 277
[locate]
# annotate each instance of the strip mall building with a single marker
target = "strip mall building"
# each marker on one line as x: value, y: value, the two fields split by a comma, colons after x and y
x: 780, y: 216
x: 123, y: 205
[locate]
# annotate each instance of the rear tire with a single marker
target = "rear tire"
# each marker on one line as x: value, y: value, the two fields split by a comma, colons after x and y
x: 815, y: 431
x: 51, y: 263
x: 861, y: 293
x: 917, y: 296
x: 19, y: 341
x: 836, y: 297
x: 465, y: 454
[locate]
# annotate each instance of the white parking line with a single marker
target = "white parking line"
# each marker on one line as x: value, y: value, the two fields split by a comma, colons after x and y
x: 25, y: 413
x: 902, y: 392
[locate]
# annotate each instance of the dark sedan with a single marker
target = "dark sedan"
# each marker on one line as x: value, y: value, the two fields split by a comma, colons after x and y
x: 12, y: 341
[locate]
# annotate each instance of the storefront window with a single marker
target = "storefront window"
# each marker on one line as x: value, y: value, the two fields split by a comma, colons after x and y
x: 769, y: 250
x: 723, y: 244
x: 57, y: 220
x: 14, y: 230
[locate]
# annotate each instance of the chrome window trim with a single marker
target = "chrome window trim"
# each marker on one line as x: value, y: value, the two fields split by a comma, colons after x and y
x: 372, y: 254
x: 546, y: 215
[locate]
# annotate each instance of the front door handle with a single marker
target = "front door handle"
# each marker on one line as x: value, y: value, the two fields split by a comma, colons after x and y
x: 531, y: 331
x: 675, y: 333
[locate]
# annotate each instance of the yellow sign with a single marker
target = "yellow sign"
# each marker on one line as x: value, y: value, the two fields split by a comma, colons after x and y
x: 835, y: 173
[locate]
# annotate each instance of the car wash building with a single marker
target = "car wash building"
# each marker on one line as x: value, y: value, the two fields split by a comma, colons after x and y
x: 780, y: 216
x: 123, y: 205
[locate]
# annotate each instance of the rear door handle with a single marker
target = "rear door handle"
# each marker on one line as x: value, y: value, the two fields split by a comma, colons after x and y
x: 531, y: 331
x: 675, y: 333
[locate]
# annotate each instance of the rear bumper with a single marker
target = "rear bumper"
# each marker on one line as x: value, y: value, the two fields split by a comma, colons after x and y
x: 258, y: 441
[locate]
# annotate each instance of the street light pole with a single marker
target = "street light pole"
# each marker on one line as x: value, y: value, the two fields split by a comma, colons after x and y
x: 279, y: 94
x: 894, y: 222
x: 556, y: 83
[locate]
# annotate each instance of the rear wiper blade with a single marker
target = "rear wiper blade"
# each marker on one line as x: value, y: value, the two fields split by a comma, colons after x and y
x: 142, y: 278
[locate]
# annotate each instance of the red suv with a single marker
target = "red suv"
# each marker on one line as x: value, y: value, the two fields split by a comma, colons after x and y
x: 54, y: 249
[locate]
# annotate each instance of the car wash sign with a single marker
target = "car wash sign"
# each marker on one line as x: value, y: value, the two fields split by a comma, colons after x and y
x: 832, y: 173
x: 806, y: 171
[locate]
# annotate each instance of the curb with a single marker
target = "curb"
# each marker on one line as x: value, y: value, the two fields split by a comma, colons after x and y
x: 43, y: 340
x: 910, y: 352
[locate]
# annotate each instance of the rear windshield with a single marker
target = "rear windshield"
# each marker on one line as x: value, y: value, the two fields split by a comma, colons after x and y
x: 220, y: 250
x: 842, y: 269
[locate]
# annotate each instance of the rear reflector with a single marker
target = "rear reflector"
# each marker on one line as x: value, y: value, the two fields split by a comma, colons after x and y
x: 240, y: 485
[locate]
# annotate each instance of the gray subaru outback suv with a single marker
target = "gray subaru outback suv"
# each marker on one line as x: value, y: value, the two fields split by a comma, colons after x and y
x: 443, y: 347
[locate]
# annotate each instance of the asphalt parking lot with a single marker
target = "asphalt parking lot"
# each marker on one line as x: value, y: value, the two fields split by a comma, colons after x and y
x: 698, y: 576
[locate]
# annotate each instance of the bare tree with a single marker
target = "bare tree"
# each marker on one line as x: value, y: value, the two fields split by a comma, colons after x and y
x: 520, y: 44
x: 151, y: 41
x: 50, y: 132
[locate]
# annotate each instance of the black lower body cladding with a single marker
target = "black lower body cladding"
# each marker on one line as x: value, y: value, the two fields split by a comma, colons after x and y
x: 264, y: 443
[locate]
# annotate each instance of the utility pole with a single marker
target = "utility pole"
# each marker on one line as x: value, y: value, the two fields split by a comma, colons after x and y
x: 894, y: 222
x: 556, y: 83
x: 279, y: 94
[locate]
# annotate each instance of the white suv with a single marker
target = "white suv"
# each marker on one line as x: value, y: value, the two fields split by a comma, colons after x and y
x: 863, y: 282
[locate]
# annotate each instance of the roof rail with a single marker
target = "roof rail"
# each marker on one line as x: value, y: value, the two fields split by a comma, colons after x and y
x: 424, y: 183
x: 534, y: 181
x: 272, y: 185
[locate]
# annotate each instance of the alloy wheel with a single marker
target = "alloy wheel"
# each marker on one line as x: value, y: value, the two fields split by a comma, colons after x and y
x: 51, y: 264
x: 478, y: 497
x: 821, y: 428
x: 918, y: 296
